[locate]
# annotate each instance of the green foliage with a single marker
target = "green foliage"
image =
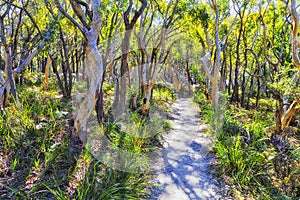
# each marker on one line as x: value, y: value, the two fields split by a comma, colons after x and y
x: 239, y: 155
x: 138, y: 135
x: 239, y: 163
x: 101, y: 182
x: 35, y: 147
x: 204, y: 105
x: 163, y: 97
x: 200, y: 13
x: 248, y: 159
x: 36, y: 153
x: 167, y: 126
x: 31, y: 142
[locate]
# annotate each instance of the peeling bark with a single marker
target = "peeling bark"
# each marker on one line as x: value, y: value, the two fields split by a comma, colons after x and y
x: 287, y: 117
x: 147, y: 96
x: 93, y: 63
x: 94, y: 72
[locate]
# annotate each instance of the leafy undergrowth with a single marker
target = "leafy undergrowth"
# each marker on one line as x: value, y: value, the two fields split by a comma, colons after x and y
x: 163, y: 97
x: 253, y: 161
x: 40, y: 159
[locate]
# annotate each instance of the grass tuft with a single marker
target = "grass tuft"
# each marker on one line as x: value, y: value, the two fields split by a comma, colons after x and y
x: 40, y: 159
x: 249, y: 159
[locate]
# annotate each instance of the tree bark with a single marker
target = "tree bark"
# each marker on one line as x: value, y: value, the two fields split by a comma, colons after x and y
x: 93, y: 62
x: 230, y: 72
x: 215, y: 88
x: 121, y: 98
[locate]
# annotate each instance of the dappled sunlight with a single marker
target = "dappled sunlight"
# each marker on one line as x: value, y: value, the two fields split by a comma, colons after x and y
x: 186, y: 163
x: 108, y: 99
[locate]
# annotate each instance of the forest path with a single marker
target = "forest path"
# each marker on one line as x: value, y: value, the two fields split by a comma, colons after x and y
x: 186, y: 159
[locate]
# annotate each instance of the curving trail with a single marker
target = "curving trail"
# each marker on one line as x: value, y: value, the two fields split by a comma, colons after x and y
x: 183, y: 171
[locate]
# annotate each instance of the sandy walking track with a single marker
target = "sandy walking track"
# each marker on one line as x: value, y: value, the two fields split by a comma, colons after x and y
x: 183, y: 171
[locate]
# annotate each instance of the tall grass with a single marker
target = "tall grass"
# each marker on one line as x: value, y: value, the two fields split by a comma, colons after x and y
x: 39, y: 159
x: 247, y: 158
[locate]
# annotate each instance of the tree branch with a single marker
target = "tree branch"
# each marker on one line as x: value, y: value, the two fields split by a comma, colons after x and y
x: 126, y: 14
x: 29, y: 15
x: 136, y: 14
x: 97, y: 17
x: 65, y: 13
x: 2, y: 80
x: 78, y: 11
x: 87, y: 10
x: 265, y: 40
x: 271, y: 89
x: 28, y: 59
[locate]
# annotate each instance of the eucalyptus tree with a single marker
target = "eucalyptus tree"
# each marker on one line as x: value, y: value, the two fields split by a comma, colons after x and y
x: 155, y: 35
x: 109, y: 40
x: 23, y: 38
x: 88, y: 20
x: 213, y: 68
x: 241, y: 13
x: 274, y: 61
x: 156, y: 41
x: 120, y: 99
x: 286, y: 114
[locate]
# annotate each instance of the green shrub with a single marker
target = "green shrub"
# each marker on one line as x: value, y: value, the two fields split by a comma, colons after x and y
x: 204, y: 106
x: 249, y: 160
x: 42, y: 161
x: 167, y: 126
x: 163, y: 97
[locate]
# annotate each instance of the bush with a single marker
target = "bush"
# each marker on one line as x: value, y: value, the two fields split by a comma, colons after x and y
x: 248, y: 160
x: 204, y: 106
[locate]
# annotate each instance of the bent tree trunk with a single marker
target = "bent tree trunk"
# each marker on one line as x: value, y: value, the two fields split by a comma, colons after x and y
x: 283, y: 118
x: 287, y: 116
x: 94, y: 72
x: 93, y: 61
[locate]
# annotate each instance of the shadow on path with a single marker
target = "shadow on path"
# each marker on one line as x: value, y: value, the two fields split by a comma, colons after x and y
x: 183, y: 171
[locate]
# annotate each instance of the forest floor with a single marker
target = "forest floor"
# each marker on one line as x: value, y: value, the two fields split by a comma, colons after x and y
x: 185, y: 169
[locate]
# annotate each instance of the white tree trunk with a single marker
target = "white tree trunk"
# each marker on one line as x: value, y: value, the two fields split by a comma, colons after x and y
x: 94, y: 71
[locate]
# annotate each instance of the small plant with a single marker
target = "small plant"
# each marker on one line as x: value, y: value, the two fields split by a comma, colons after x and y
x: 15, y: 163
x: 204, y: 106
x: 246, y: 157
x: 163, y: 97
x: 167, y: 126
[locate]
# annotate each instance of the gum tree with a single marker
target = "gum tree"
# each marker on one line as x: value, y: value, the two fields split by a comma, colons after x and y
x: 23, y: 37
x: 89, y: 21
x: 120, y: 98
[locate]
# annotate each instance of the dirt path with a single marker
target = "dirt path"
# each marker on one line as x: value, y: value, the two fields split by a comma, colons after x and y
x: 183, y: 172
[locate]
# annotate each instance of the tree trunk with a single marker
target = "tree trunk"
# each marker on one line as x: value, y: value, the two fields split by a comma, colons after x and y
x: 235, y: 96
x: 215, y: 87
x: 258, y: 95
x: 243, y: 87
x: 11, y: 86
x: 223, y: 71
x: 230, y: 72
x: 250, y: 92
x: 147, y: 96
x: 189, y: 78
x: 54, y: 68
x: 287, y: 117
x: 129, y: 25
x: 94, y: 72
x: 124, y: 65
